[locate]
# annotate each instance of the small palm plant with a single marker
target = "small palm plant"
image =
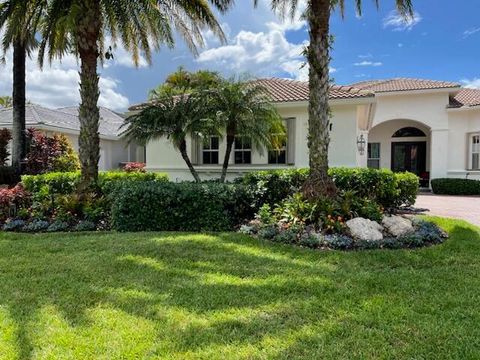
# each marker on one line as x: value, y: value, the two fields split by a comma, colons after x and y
x: 174, y: 117
x: 245, y: 110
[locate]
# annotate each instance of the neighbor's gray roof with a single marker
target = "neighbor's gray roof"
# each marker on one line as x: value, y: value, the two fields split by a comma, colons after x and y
x: 65, y: 118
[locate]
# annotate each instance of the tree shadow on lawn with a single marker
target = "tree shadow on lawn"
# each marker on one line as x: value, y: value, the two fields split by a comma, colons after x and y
x: 211, y: 291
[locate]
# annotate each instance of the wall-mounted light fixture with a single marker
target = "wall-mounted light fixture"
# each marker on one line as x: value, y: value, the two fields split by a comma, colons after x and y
x: 361, y: 144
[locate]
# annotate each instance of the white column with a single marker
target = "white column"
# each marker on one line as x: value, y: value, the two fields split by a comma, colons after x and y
x: 438, y: 153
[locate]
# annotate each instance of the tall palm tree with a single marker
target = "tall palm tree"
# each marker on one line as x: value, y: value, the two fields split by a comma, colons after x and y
x: 174, y: 117
x: 82, y: 26
x: 245, y: 110
x: 20, y: 19
x: 317, y: 53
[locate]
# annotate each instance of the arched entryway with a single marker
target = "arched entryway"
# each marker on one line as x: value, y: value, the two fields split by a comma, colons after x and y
x: 401, y: 145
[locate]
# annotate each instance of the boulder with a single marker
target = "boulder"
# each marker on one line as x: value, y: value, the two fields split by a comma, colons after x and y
x: 364, y: 229
x: 397, y: 225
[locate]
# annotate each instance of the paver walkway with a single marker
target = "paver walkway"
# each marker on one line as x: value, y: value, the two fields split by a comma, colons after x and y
x: 460, y: 207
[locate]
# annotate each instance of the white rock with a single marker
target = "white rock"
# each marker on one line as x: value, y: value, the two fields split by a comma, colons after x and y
x: 364, y: 229
x: 397, y: 225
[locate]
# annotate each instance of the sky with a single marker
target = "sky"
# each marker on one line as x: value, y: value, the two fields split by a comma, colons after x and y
x: 441, y: 42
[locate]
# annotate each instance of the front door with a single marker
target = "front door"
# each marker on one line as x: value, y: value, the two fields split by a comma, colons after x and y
x: 409, y: 156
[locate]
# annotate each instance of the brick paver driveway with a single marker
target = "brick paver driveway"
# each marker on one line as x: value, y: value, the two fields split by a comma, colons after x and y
x: 460, y: 207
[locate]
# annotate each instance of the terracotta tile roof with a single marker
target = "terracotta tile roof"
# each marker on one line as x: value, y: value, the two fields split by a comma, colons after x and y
x: 466, y: 97
x: 285, y: 90
x: 404, y: 84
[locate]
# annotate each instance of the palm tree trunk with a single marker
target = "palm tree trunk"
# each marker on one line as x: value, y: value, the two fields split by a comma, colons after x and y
x: 318, y: 53
x: 89, y: 114
x: 228, y: 152
x: 18, y: 126
x: 183, y: 151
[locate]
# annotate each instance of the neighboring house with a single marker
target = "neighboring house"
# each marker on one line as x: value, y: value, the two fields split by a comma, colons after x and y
x: 431, y: 128
x: 113, y: 150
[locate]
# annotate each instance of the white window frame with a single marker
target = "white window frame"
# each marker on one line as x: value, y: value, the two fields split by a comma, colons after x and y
x: 473, y: 148
x: 210, y: 150
x: 379, y: 154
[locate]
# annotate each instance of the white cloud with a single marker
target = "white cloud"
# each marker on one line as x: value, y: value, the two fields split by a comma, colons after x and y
x: 400, y: 23
x: 57, y: 84
x: 368, y: 63
x: 471, y: 83
x: 365, y: 56
x: 469, y: 32
x: 259, y: 53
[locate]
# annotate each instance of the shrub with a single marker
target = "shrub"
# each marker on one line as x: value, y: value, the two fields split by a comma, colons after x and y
x: 11, y: 200
x: 58, y: 225
x: 36, y: 226
x: 381, y: 186
x: 85, y: 225
x: 456, y: 186
x: 67, y: 159
x: 134, y: 167
x: 14, y: 225
x: 66, y: 183
x: 5, y: 137
x: 153, y: 206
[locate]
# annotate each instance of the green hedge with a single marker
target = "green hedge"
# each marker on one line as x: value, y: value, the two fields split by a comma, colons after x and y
x: 66, y: 183
x: 456, y: 187
x: 383, y: 186
x: 153, y: 206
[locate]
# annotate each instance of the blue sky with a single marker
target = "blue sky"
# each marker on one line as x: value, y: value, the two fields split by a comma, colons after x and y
x: 441, y: 42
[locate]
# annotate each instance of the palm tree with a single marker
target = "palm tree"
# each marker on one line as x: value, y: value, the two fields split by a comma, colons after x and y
x: 183, y: 81
x: 174, y: 117
x: 20, y: 19
x: 6, y: 102
x: 246, y: 111
x: 81, y: 26
x: 317, y: 53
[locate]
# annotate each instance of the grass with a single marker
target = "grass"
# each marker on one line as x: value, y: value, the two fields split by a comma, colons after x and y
x: 227, y: 296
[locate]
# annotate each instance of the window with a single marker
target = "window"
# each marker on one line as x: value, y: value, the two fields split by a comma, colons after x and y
x: 409, y: 132
x: 475, y: 152
x: 243, y: 150
x: 210, y: 150
x: 373, y: 155
x: 279, y: 155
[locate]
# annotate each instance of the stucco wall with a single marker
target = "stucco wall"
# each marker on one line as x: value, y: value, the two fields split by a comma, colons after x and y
x: 161, y: 156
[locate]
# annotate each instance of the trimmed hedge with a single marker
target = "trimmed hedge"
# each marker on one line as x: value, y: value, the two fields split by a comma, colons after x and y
x: 153, y: 206
x: 65, y: 183
x: 383, y: 186
x: 455, y: 186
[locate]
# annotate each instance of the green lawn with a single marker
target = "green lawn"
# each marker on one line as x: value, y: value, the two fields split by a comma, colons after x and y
x: 184, y: 296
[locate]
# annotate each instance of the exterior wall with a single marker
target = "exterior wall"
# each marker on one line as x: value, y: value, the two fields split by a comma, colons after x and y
x: 461, y: 124
x: 161, y: 155
x: 382, y: 133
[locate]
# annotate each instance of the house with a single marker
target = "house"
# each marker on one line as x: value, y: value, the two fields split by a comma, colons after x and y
x: 113, y: 150
x: 431, y: 128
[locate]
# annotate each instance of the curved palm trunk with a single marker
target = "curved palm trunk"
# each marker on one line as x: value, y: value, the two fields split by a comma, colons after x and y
x: 183, y: 151
x: 89, y: 142
x: 228, y: 151
x: 18, y: 97
x: 319, y: 183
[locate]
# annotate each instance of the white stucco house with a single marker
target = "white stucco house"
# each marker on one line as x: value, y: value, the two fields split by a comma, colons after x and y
x: 431, y: 128
x: 113, y: 150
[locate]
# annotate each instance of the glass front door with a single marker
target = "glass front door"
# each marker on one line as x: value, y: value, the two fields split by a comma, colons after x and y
x: 409, y: 156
